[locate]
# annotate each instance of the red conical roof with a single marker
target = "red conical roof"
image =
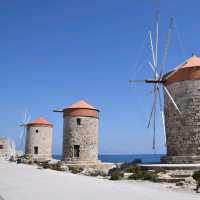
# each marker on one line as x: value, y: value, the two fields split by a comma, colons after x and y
x: 81, y: 108
x: 40, y: 121
x: 81, y: 104
x: 193, y: 61
x: 189, y: 70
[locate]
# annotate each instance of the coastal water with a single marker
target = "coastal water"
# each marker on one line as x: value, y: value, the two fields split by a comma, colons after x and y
x: 145, y: 158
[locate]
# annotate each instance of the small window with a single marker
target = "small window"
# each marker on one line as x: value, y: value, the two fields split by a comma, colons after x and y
x: 36, y: 131
x: 78, y: 121
x: 1, y: 146
x: 76, y: 151
x: 35, y: 150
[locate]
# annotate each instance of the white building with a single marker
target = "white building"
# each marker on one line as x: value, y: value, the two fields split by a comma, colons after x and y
x: 7, y: 148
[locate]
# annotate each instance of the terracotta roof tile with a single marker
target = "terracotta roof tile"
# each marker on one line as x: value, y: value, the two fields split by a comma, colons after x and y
x: 193, y: 61
x: 81, y: 104
x: 39, y: 121
x: 188, y: 70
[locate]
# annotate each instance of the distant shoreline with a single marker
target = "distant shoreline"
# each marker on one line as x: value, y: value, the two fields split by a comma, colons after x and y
x: 119, y: 158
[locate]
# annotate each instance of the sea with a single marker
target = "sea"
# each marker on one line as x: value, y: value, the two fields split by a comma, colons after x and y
x: 117, y: 158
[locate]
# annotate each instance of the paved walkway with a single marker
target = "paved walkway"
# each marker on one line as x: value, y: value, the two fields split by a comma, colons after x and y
x: 23, y: 182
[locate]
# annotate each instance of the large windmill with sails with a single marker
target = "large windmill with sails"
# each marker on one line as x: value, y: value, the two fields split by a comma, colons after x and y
x: 180, y: 107
x: 157, y: 81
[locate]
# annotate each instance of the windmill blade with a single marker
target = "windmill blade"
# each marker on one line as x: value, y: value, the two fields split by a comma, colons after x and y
x: 152, y: 48
x: 163, y: 116
x: 167, y: 44
x: 156, y: 39
x: 137, y: 81
x: 154, y: 129
x: 23, y: 124
x: 25, y: 115
x: 171, y: 98
x: 154, y: 52
x: 154, y: 119
x: 156, y: 75
x: 151, y: 114
x: 153, y: 107
x: 160, y: 100
x: 164, y: 129
x: 28, y: 119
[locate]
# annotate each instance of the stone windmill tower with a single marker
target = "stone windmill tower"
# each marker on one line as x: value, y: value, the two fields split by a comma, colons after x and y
x: 39, y: 139
x: 180, y: 110
x: 181, y: 115
x: 80, y: 133
x: 183, y: 129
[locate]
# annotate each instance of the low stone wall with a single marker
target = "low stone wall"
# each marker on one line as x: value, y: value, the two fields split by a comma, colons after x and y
x: 181, y: 159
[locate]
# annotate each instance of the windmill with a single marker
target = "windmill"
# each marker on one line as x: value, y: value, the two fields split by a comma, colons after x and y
x: 158, y: 79
x: 23, y: 124
x: 13, y: 148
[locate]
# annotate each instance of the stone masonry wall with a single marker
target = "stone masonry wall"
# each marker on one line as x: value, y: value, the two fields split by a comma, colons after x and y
x: 42, y: 139
x: 183, y: 130
x: 85, y: 135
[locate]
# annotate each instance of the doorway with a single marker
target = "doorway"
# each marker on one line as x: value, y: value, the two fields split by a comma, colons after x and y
x: 35, y: 150
x: 76, y: 151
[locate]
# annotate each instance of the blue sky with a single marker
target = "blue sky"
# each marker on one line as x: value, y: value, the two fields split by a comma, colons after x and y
x: 53, y: 53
